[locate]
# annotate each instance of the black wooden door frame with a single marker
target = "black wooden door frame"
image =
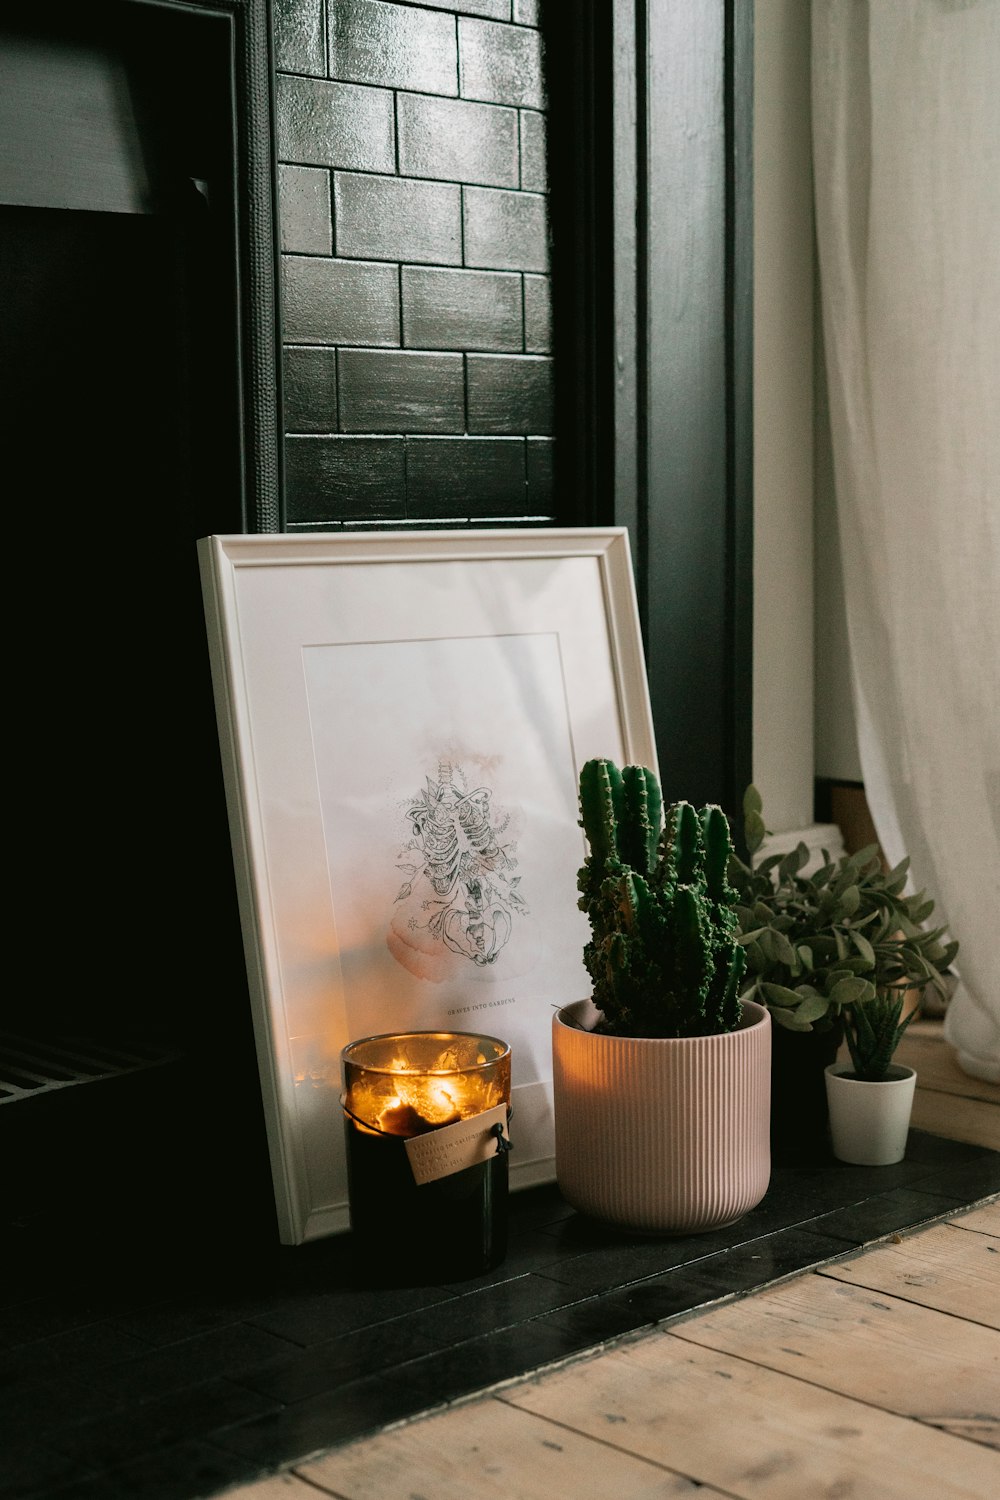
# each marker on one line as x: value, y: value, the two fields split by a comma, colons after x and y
x: 651, y: 122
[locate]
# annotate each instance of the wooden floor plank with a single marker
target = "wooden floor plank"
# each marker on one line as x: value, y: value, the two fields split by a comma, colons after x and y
x: 956, y: 1118
x: 937, y: 1068
x: 943, y: 1267
x: 287, y: 1486
x: 984, y: 1220
x: 977, y: 1431
x: 756, y: 1433
x: 494, y: 1452
x: 894, y: 1354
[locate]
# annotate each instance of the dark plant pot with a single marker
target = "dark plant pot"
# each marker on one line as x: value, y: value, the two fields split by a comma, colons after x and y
x: 799, y: 1111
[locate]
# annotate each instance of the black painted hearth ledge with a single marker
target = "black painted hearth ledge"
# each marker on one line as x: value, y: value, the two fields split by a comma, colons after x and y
x: 177, y: 1377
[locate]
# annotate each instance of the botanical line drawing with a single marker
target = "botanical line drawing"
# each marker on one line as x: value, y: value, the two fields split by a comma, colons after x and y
x: 460, y: 879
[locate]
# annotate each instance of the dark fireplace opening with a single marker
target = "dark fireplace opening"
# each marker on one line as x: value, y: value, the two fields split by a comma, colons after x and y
x: 129, y: 1092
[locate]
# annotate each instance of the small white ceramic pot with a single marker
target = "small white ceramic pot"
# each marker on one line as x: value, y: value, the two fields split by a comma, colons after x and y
x: 662, y: 1135
x: 869, y: 1122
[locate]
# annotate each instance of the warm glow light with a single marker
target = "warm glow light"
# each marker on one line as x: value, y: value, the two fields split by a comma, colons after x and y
x: 402, y: 1097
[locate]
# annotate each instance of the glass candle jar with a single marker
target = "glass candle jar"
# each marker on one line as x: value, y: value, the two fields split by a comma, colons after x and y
x: 425, y: 1121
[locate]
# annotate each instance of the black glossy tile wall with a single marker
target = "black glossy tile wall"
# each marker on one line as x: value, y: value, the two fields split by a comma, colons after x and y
x: 331, y: 302
x: 307, y: 214
x: 300, y: 40
x: 445, y: 309
x: 397, y: 46
x: 415, y: 262
x: 335, y: 125
x: 454, y: 478
x: 509, y: 393
x: 454, y: 139
x: 310, y: 381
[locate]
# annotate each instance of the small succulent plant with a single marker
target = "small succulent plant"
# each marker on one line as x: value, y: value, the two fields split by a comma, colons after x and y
x: 664, y: 956
x: 873, y: 1033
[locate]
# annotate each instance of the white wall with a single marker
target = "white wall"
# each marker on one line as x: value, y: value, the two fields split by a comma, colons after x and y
x: 783, y: 743
x: 835, y: 731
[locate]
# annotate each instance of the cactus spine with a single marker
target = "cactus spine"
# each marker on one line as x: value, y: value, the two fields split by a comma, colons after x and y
x: 663, y: 956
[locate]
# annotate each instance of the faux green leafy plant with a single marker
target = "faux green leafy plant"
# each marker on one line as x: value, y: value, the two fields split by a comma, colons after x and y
x: 821, y: 947
x: 664, y: 956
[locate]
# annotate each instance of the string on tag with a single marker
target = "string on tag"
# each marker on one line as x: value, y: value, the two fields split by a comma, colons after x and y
x: 503, y: 1144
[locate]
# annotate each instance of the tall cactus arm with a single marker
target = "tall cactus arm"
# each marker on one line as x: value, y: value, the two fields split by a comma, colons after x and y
x: 601, y: 803
x: 682, y: 846
x: 690, y: 953
x: 730, y: 979
x: 641, y: 819
x: 718, y: 849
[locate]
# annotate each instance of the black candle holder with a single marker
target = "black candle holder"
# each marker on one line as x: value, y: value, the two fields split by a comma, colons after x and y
x: 425, y: 1120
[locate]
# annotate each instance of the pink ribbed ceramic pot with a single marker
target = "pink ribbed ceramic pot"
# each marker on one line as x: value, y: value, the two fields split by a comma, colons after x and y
x: 664, y: 1136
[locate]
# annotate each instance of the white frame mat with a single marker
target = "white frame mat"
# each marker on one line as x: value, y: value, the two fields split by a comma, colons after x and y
x: 403, y: 717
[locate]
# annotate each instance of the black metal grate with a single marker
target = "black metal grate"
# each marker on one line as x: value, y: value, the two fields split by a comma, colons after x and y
x: 29, y: 1066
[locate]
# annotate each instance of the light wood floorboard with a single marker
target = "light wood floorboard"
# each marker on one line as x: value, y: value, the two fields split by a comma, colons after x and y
x: 876, y: 1377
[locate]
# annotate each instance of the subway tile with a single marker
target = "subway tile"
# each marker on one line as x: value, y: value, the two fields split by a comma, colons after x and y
x: 304, y: 210
x: 925, y: 1150
x: 450, y: 309
x: 509, y: 393
x: 183, y: 1469
x: 223, y: 1352
x: 526, y: 12
x: 505, y: 231
x: 397, y: 218
x: 972, y: 1179
x: 63, y: 1353
x: 534, y: 170
x: 746, y: 1267
x: 494, y: 10
x: 336, y: 1361
x: 874, y: 1217
x: 397, y: 46
x: 456, y: 140
x: 390, y: 391
x: 118, y: 1437
x: 509, y: 1304
x: 310, y: 390
x: 463, y: 477
x: 344, y: 479
x: 326, y: 124
x: 541, y: 476
x: 32, y: 1466
x: 477, y: 1363
x: 537, y: 314
x: 501, y: 64
x: 298, y: 1431
x: 299, y: 40
x: 626, y: 1310
x: 626, y: 1261
x: 314, y: 1316
x: 327, y: 301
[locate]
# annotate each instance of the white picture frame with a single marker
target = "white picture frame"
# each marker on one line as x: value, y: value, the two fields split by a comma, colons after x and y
x: 397, y: 711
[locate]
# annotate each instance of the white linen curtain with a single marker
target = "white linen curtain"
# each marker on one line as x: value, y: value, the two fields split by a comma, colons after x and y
x: 906, y: 150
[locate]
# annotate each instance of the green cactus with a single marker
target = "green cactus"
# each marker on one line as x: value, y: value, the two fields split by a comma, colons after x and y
x: 663, y: 957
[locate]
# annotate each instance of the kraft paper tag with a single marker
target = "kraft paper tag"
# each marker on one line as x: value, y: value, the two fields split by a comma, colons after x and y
x: 455, y: 1147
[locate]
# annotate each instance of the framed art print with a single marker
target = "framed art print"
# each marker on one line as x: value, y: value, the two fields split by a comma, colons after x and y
x: 403, y: 717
